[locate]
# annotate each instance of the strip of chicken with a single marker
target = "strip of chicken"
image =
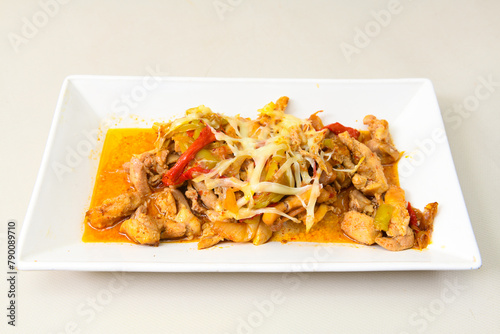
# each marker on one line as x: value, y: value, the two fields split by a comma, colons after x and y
x: 398, y: 243
x: 172, y: 204
x: 147, y: 230
x: 138, y: 176
x: 359, y: 227
x: 209, y: 237
x: 381, y: 141
x: 142, y: 228
x: 112, y: 210
x: 184, y: 215
x: 192, y: 194
x: 262, y: 235
x: 340, y: 152
x: 170, y: 227
x: 369, y: 178
x: 358, y: 202
x: 217, y: 231
x: 207, y: 196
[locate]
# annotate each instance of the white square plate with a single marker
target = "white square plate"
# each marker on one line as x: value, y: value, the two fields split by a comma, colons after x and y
x: 51, y: 237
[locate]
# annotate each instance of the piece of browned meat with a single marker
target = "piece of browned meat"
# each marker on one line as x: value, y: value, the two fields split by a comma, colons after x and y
x: 340, y: 152
x: 369, y: 178
x: 253, y: 228
x: 138, y: 176
x: 209, y: 238
x: 209, y: 241
x: 381, y: 141
x: 263, y: 234
x: 193, y: 196
x: 173, y: 207
x: 359, y: 227
x: 149, y: 166
x: 358, y: 202
x: 142, y: 228
x: 207, y: 196
x: 171, y: 229
x: 112, y: 210
x: 236, y: 232
x: 398, y: 243
x: 147, y: 230
x: 165, y: 203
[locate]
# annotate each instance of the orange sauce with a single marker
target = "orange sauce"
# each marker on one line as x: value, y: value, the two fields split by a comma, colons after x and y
x: 111, y: 181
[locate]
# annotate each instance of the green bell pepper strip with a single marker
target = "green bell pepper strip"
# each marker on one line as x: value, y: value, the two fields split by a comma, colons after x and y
x: 383, y: 217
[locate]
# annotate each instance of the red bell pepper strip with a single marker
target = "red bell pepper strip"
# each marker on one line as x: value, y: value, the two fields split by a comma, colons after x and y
x: 338, y: 128
x: 413, y: 218
x: 189, y: 174
x: 173, y: 175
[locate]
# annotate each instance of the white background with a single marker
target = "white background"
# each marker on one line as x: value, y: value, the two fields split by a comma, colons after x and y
x: 453, y: 43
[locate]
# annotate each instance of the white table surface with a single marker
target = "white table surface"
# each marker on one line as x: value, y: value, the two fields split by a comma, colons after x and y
x: 453, y: 43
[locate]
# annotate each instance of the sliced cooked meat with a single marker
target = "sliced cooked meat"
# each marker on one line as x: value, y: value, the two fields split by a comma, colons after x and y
x: 161, y: 161
x: 214, y: 232
x: 370, y: 177
x: 165, y: 203
x: 329, y: 175
x: 112, y: 210
x: 171, y: 229
x: 360, y: 227
x: 207, y: 196
x: 150, y: 165
x: 398, y: 243
x: 185, y: 216
x: 209, y: 241
x: 381, y: 141
x: 262, y: 235
x: 340, y: 152
x: 236, y: 232
x: 142, y: 228
x: 138, y: 176
x: 192, y: 194
x: 209, y: 237
x: 358, y: 202
x: 147, y: 230
x: 154, y: 161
